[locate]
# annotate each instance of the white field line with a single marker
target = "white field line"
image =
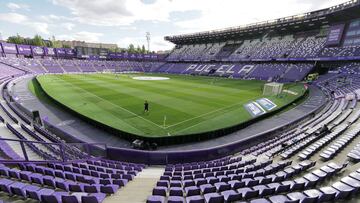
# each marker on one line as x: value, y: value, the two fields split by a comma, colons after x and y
x: 216, y: 110
x: 226, y: 107
x: 115, y: 105
x: 155, y: 123
x: 203, y: 121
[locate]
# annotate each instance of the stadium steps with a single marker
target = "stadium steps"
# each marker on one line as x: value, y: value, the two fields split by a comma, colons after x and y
x: 30, y: 138
x: 62, y: 68
x: 316, y: 156
x: 137, y: 190
x: 8, y: 120
x: 42, y: 66
x: 5, y: 133
x: 286, y: 71
x: 77, y: 67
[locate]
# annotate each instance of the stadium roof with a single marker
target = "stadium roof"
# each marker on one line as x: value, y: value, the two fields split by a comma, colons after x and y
x: 306, y: 21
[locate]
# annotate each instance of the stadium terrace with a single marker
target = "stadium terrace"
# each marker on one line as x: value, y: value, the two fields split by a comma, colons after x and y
x: 262, y: 113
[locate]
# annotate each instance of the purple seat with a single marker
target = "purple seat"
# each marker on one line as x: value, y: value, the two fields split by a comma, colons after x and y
x: 250, y: 182
x: 343, y: 190
x: 95, y: 188
x: 4, y: 185
x: 59, y: 174
x: 294, y: 185
x: 301, y: 197
x: 188, y: 183
x: 195, y: 199
x: 54, y: 197
x: 302, y: 183
x: 355, y: 175
x: 76, y: 187
x: 93, y: 198
x: 32, y: 192
x: 109, y: 189
x: 37, y: 178
x: 200, y: 181
x: 162, y: 183
x: 14, y: 173
x: 176, y: 199
x: 320, y: 174
x: 231, y: 195
x: 236, y: 184
x: 248, y: 193
x: 212, y: 180
x: 70, y: 176
x: 279, y: 188
x: 312, y: 180
x: 165, y: 177
x: 105, y: 181
x: 351, y: 182
x: 207, y: 188
x: 213, y: 198
x: 175, y: 183
x: 221, y: 186
x: 192, y: 191
x: 262, y: 200
x: 17, y: 188
x: 281, y: 199
x: 159, y: 191
x: 120, y: 182
x: 263, y: 180
x: 314, y: 193
x: 25, y: 175
x: 63, y: 184
x: 223, y: 178
x: 73, y: 198
x: 176, y: 191
x: 328, y: 194
x: 49, y: 172
x: 49, y: 181
x: 155, y: 199
x: 264, y: 190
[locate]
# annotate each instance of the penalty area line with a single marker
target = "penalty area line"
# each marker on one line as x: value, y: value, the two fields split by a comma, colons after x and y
x: 202, y: 115
x: 136, y: 115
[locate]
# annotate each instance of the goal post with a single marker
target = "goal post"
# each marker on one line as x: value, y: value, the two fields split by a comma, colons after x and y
x: 273, y: 88
x: 108, y: 71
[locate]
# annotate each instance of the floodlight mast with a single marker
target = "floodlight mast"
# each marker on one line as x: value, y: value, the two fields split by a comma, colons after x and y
x: 148, y: 38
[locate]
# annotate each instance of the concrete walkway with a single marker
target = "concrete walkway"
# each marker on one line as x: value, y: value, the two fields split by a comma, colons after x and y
x: 137, y: 190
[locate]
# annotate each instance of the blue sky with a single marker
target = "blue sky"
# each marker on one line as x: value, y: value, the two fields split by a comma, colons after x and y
x: 126, y: 21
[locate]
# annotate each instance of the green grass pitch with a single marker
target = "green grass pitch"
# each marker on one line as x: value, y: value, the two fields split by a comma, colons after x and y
x: 191, y: 104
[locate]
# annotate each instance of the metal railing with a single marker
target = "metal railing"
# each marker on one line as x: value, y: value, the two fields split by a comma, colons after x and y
x: 13, y: 150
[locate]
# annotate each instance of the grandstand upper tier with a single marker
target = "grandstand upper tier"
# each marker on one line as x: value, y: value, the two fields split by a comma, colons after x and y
x: 327, y: 34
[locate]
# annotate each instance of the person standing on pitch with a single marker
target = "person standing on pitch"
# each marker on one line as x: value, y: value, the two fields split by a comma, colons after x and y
x: 146, y: 106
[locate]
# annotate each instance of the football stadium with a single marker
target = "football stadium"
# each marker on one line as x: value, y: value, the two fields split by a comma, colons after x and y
x: 261, y: 112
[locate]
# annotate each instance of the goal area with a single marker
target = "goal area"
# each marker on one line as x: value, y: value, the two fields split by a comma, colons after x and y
x: 273, y: 88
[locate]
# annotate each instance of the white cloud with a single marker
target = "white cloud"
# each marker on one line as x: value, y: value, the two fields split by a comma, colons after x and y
x: 68, y: 26
x: 215, y: 13
x: 120, y: 12
x: 13, y: 17
x: 242, y: 12
x: 17, y: 18
x: 39, y: 27
x: 82, y: 36
x: 156, y: 43
x: 14, y: 6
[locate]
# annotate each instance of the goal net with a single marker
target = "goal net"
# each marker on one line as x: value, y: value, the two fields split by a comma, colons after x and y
x: 108, y: 71
x: 272, y: 88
